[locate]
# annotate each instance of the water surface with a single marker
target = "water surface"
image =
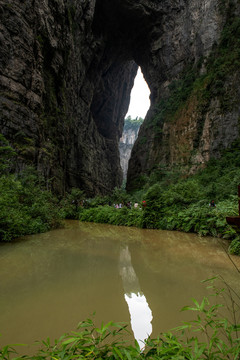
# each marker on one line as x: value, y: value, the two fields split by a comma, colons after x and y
x: 50, y: 282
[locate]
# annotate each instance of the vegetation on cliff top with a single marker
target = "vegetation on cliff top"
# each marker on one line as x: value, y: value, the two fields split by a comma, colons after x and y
x: 132, y: 124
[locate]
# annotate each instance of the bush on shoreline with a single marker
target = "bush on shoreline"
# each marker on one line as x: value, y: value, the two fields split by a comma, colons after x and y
x: 180, y: 203
x: 173, y: 202
x: 25, y: 207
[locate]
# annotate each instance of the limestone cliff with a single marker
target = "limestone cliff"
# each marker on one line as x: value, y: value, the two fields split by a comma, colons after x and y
x: 129, y: 136
x: 67, y: 69
x: 65, y: 89
x: 193, y: 73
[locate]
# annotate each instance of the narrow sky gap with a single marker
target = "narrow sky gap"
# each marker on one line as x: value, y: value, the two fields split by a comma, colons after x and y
x: 139, y: 101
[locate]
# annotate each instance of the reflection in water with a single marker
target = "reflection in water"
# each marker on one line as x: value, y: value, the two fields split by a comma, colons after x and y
x: 49, y: 282
x: 140, y: 313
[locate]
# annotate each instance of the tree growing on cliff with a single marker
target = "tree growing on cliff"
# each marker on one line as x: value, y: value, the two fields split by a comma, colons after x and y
x: 133, y: 124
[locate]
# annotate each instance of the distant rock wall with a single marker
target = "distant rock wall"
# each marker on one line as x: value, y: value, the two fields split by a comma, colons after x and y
x: 66, y: 72
x: 127, y: 141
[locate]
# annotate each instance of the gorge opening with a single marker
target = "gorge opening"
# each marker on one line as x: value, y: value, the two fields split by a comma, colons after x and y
x: 138, y: 107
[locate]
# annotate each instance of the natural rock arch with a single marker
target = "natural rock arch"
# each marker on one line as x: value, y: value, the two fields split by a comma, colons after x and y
x: 66, y: 72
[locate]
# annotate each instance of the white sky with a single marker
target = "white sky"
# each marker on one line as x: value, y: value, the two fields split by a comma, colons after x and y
x: 139, y: 101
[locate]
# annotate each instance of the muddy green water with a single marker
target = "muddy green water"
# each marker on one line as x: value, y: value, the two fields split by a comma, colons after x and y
x: 50, y: 282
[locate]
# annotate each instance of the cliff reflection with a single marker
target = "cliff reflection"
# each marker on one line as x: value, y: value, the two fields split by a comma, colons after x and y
x: 140, y: 313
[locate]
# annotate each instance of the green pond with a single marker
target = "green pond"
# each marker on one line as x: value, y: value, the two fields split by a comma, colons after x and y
x: 50, y: 282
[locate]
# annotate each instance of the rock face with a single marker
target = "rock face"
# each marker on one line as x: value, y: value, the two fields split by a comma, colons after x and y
x: 191, y: 119
x: 65, y: 90
x: 127, y: 141
x: 66, y: 72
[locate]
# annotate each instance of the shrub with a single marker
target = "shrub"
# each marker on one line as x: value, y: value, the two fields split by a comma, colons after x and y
x: 71, y: 203
x: 177, y: 203
x: 234, y: 247
x: 25, y: 207
x: 110, y: 215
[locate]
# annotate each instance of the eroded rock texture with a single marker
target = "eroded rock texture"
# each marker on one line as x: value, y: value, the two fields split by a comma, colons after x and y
x: 66, y: 71
x: 189, y: 36
x: 126, y: 143
x: 64, y: 92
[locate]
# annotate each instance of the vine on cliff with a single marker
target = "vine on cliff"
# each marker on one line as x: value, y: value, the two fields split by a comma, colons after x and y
x: 220, y: 65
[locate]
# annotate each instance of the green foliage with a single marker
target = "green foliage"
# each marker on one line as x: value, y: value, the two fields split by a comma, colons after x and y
x: 71, y: 204
x: 201, y: 219
x: 179, y: 203
x: 179, y: 92
x: 154, y: 207
x: 7, y: 154
x: 119, y: 196
x: 234, y: 247
x: 133, y: 124
x: 25, y: 206
x: 110, y: 215
x: 223, y: 61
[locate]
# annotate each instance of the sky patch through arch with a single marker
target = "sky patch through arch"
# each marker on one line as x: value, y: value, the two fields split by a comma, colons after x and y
x: 139, y: 101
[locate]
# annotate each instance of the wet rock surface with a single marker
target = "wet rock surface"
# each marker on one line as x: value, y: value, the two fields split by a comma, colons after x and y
x: 66, y: 72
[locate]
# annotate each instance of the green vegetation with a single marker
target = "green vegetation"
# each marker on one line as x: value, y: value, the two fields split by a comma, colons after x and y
x: 173, y: 202
x: 25, y: 205
x: 25, y: 208
x: 132, y: 124
x: 223, y: 62
x: 178, y: 203
x: 209, y: 336
x: 71, y: 203
x: 179, y: 92
x: 110, y: 215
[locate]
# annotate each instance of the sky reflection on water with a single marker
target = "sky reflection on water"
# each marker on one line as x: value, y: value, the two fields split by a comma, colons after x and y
x: 50, y: 282
x: 140, y: 316
x: 140, y: 312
